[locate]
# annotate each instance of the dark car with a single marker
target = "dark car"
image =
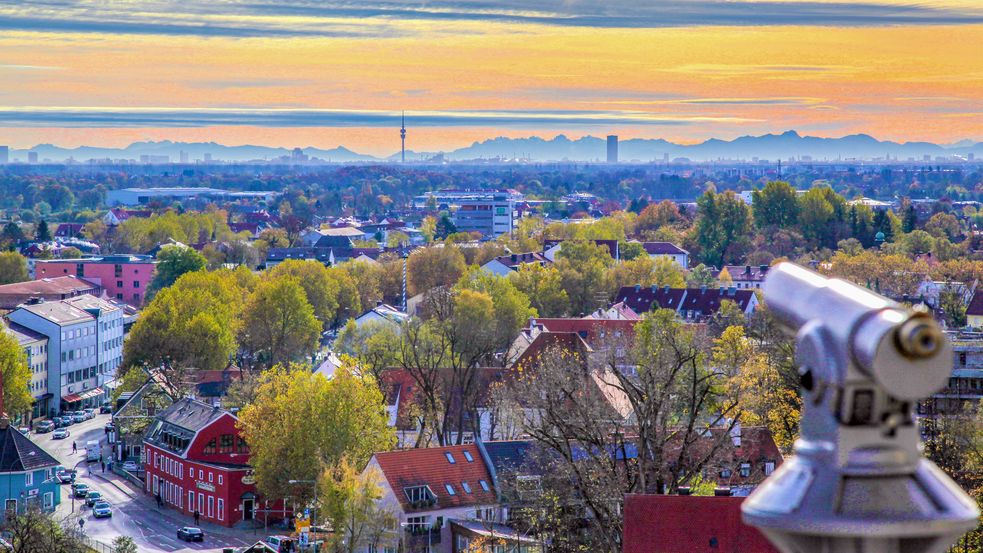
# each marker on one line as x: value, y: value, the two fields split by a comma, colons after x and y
x: 105, y: 408
x: 92, y: 498
x: 44, y: 427
x: 190, y: 533
x: 66, y: 477
x: 80, y: 490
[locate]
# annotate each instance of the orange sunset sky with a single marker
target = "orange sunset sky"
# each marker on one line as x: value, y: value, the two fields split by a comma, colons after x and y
x: 306, y: 73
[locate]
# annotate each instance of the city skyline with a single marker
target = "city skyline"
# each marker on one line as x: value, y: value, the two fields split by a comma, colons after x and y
x: 328, y: 74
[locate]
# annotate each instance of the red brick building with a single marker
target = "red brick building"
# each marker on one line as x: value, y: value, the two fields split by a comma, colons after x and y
x: 196, y: 460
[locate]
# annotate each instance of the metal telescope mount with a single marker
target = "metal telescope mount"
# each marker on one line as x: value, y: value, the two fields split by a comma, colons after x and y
x: 858, y: 482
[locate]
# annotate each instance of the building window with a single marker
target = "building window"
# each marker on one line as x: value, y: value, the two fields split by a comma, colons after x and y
x: 225, y: 443
x: 210, y: 447
x: 220, y: 480
x: 419, y: 494
x: 745, y: 470
x: 211, y: 507
x: 119, y: 283
x: 417, y: 523
x: 484, y: 485
x: 221, y: 508
x: 450, y: 457
x: 29, y: 479
x: 450, y: 489
x: 201, y: 474
x: 467, y: 455
x: 49, y: 500
x: 191, y: 500
x: 241, y: 446
x: 119, y: 296
x: 769, y: 467
x: 211, y: 476
x: 466, y: 487
x: 136, y: 283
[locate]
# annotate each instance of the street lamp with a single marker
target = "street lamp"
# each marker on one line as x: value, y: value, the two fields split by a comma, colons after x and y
x: 314, y: 513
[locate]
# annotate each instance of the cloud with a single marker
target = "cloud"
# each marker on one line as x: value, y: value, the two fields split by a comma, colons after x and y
x: 66, y: 117
x: 247, y: 18
x: 775, y: 101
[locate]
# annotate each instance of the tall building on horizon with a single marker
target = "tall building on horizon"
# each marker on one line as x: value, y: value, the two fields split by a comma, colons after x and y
x: 4, y: 154
x: 612, y: 148
x: 402, y: 137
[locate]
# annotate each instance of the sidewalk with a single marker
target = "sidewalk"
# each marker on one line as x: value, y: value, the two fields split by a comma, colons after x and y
x: 172, y: 515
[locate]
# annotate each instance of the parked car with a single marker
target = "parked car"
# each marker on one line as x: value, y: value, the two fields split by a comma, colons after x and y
x: 130, y: 466
x: 44, y: 427
x: 92, y: 498
x: 282, y: 544
x: 190, y: 533
x: 80, y: 490
x: 102, y: 509
x: 61, y: 434
x: 78, y: 416
x: 66, y: 477
x: 89, y: 413
x: 25, y: 430
x: 105, y: 408
x: 57, y: 422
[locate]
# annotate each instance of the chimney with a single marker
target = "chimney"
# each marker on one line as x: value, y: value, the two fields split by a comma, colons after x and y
x: 732, y: 291
x: 763, y: 269
x: 378, y: 303
x: 638, y: 287
x: 666, y: 288
x: 722, y: 491
x: 655, y: 288
x: 747, y: 269
x: 684, y: 490
x: 703, y: 289
x: 721, y: 290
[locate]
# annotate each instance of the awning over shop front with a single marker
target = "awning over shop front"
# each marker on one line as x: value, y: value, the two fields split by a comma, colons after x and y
x: 72, y: 398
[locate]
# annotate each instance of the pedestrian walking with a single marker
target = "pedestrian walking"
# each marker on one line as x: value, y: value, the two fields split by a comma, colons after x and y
x: 197, y: 517
x: 74, y: 448
x: 160, y: 502
x: 103, y: 466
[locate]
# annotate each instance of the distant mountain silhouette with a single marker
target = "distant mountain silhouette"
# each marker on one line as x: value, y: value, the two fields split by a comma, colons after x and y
x: 559, y: 148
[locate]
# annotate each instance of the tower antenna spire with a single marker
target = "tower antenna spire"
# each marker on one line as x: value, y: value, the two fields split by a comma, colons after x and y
x: 402, y: 136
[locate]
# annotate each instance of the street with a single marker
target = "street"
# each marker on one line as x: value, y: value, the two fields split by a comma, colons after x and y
x: 134, y: 513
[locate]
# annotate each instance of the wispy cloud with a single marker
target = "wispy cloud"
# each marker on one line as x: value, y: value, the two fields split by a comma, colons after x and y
x: 776, y: 101
x: 248, y: 18
x: 210, y: 117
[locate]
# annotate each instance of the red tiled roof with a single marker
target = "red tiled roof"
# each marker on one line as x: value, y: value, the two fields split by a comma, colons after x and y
x: 643, y: 299
x: 752, y: 273
x: 976, y: 304
x: 567, y: 341
x: 590, y: 329
x: 50, y: 286
x: 399, y: 388
x: 662, y: 248
x: 684, y: 524
x: 707, y: 302
x: 430, y: 466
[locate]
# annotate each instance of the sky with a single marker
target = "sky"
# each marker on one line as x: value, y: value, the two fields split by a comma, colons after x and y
x: 326, y: 73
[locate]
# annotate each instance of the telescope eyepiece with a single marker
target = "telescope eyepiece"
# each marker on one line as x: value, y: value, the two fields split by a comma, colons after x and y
x: 919, y: 337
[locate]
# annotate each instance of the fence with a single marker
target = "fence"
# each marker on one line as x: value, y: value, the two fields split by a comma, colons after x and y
x: 94, y: 544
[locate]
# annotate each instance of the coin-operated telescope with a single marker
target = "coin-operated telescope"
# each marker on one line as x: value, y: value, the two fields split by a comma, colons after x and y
x: 858, y: 482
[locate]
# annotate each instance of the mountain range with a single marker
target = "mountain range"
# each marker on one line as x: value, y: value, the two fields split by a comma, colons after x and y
x: 559, y: 148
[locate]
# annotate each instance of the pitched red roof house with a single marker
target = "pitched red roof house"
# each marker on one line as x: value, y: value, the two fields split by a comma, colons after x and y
x: 68, y: 230
x: 459, y: 468
x: 689, y: 524
x: 689, y: 303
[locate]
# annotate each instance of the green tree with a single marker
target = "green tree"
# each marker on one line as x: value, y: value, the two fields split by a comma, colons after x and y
x: 278, y: 323
x: 776, y: 205
x: 544, y: 288
x: 320, y: 287
x: 944, y: 225
x: 511, y: 306
x: 953, y: 308
x: 191, y: 324
x: 172, y: 262
x: 13, y: 268
x: 723, y: 227
x: 821, y: 211
x: 16, y: 375
x: 445, y: 227
x: 42, y: 233
x: 375, y: 345
x: 701, y: 275
x: 583, y: 268
x: 301, y: 423
x: 440, y: 265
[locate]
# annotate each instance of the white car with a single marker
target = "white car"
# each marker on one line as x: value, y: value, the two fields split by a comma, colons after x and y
x: 130, y: 466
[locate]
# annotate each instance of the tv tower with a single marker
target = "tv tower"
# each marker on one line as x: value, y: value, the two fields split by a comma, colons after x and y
x: 402, y: 134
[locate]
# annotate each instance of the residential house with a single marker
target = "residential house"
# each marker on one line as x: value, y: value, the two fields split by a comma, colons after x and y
x: 479, y: 536
x: 382, y: 312
x: 123, y: 277
x: 744, y: 276
x: 656, y: 250
x: 27, y: 473
x: 196, y: 460
x: 35, y: 346
x: 68, y: 230
x: 678, y: 523
x: 426, y: 488
x: 691, y: 304
x: 47, y: 289
x: 115, y: 216
x: 974, y: 311
x: 505, y: 265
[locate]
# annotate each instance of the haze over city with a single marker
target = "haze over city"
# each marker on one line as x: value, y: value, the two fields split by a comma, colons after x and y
x: 326, y: 74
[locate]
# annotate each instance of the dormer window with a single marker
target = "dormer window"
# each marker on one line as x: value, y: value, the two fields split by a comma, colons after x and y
x: 420, y: 496
x: 450, y: 457
x: 450, y: 489
x: 466, y: 487
x: 484, y: 485
x: 467, y: 455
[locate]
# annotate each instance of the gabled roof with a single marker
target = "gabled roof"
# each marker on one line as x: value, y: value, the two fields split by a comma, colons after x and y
x: 976, y: 304
x: 430, y: 467
x: 593, y: 331
x: 753, y: 273
x: 508, y: 455
x: 644, y: 299
x: 516, y: 259
x: 707, y: 301
x: 663, y: 248
x: 19, y: 454
x: 176, y: 426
